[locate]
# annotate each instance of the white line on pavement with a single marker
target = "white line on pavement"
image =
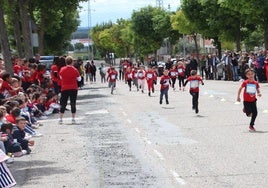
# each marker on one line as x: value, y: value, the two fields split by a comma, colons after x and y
x: 137, y: 130
x: 147, y: 141
x: 177, y: 178
x: 159, y: 154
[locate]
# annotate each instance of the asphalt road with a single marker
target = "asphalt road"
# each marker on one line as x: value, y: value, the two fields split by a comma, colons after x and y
x: 129, y: 140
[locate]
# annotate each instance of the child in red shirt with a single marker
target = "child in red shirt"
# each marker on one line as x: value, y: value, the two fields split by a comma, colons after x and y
x: 164, y: 82
x: 111, y: 78
x: 149, y: 75
x: 251, y: 87
x: 194, y: 80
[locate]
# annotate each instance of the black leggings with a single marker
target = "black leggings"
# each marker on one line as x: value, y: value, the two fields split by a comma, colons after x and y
x: 195, y: 96
x: 64, y: 100
x: 251, y: 108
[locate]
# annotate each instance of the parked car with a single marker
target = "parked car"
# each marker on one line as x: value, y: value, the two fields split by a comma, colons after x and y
x: 47, y: 60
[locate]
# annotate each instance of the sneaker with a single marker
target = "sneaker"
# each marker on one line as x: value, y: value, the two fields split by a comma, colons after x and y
x: 43, y: 117
x: 24, y: 152
x: 160, y: 102
x: 37, y: 134
x: 10, y: 160
x: 73, y: 121
x: 18, y: 154
x: 35, y: 126
x: 28, y: 151
x: 196, y: 110
x: 251, y: 128
x: 167, y: 102
x: 60, y: 122
x: 149, y: 94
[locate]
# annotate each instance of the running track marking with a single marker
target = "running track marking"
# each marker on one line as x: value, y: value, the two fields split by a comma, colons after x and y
x: 177, y: 178
x: 159, y: 154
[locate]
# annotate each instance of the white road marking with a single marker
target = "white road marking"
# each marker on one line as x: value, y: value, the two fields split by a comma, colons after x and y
x: 102, y: 111
x: 124, y: 113
x: 129, y: 121
x: 177, y: 178
x: 159, y: 154
x: 137, y: 130
x: 265, y: 111
x: 147, y: 141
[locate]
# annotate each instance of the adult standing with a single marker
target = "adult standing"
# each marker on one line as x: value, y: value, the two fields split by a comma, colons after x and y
x: 69, y: 76
x: 93, y: 70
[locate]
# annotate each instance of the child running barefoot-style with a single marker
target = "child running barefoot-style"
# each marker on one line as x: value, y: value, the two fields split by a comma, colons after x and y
x: 194, y: 80
x: 164, y: 82
x: 251, y: 87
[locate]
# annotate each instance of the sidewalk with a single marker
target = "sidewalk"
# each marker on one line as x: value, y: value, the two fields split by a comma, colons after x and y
x: 58, y: 159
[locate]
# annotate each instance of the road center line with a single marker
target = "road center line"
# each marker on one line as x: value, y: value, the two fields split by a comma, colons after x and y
x: 177, y: 178
x: 159, y: 154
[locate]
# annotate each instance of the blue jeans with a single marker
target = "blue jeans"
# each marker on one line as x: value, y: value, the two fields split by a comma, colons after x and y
x: 235, y: 73
x: 164, y: 92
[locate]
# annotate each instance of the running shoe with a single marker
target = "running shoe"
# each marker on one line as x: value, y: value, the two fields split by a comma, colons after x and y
x: 251, y: 129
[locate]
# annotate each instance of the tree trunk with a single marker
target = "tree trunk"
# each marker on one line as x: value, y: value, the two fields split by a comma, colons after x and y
x: 238, y: 38
x: 266, y: 35
x: 41, y: 34
x: 17, y: 30
x: 26, y: 31
x: 4, y: 41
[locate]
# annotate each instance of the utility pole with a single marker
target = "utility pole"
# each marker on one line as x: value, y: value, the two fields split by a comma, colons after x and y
x: 90, y: 46
x: 159, y: 3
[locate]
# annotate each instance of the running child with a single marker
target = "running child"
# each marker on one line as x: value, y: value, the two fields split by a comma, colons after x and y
x: 194, y: 80
x: 181, y: 74
x: 150, y: 80
x: 111, y: 78
x: 173, y: 73
x: 164, y: 82
x: 251, y: 87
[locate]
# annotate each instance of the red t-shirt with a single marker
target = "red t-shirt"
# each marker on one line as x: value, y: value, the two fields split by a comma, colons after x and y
x: 173, y: 73
x: 194, y: 83
x: 141, y: 74
x: 164, y: 81
x: 128, y: 75
x: 6, y: 87
x: 149, y: 75
x: 69, y: 75
x: 250, y: 90
x: 181, y: 70
x: 54, y: 73
x: 112, y: 76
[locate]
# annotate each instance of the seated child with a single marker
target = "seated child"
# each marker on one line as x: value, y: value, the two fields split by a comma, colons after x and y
x: 11, y: 146
x: 19, y: 134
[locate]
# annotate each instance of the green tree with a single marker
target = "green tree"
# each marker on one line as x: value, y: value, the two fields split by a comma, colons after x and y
x: 150, y: 26
x: 79, y: 46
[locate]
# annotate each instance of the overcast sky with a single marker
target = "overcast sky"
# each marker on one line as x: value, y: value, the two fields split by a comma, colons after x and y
x: 111, y: 10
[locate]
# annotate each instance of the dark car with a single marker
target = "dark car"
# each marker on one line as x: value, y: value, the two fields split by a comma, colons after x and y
x: 47, y: 60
